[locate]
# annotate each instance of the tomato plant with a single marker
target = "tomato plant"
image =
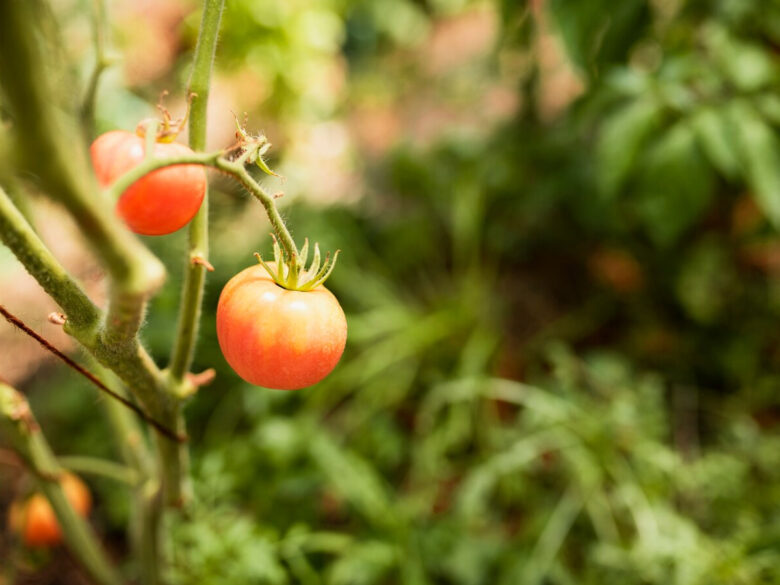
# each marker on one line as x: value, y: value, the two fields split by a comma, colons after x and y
x: 162, y: 201
x: 276, y: 337
x: 34, y: 519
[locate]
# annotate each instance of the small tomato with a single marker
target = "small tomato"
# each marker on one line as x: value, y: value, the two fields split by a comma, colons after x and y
x: 159, y: 203
x: 279, y: 338
x: 34, y: 519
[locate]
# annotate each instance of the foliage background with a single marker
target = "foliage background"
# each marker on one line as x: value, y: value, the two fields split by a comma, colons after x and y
x: 561, y: 271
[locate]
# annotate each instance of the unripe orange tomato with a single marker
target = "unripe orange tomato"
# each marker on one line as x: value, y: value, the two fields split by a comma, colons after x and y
x: 34, y: 519
x: 279, y: 338
x: 159, y: 203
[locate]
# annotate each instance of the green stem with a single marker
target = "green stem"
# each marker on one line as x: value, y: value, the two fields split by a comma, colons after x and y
x: 99, y: 26
x: 102, y: 467
x: 243, y: 176
x: 233, y: 168
x: 18, y: 235
x: 16, y: 417
x: 46, y: 150
x: 45, y: 145
x: 144, y: 526
x: 195, y: 272
x: 125, y: 426
x: 200, y: 79
x: 174, y: 459
x: 148, y: 502
x: 127, y: 359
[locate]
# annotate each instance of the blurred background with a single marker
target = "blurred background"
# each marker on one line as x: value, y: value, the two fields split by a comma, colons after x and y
x: 561, y: 271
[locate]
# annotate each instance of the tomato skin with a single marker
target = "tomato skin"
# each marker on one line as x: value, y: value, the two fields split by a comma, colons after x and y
x: 279, y: 338
x: 35, y: 520
x: 159, y: 203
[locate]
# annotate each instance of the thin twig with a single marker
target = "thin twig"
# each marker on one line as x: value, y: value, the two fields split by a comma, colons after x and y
x: 19, y: 324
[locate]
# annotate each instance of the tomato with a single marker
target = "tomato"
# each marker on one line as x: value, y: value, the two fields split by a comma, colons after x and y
x: 35, y: 520
x: 279, y: 338
x: 159, y: 203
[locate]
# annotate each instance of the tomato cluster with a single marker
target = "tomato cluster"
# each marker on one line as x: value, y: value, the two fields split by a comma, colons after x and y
x: 34, y: 520
x: 273, y: 333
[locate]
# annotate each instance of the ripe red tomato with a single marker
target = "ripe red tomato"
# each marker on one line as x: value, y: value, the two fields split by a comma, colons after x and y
x: 279, y: 338
x: 34, y: 519
x: 159, y: 203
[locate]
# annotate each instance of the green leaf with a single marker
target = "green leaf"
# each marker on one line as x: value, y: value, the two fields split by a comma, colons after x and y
x: 354, y: 479
x: 674, y: 186
x: 747, y: 65
x: 760, y: 154
x: 703, y: 281
x: 716, y: 138
x: 599, y: 32
x: 364, y: 564
x: 474, y: 494
x: 622, y: 137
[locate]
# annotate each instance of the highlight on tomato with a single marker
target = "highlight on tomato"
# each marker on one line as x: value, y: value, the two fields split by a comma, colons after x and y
x: 34, y: 519
x: 278, y: 326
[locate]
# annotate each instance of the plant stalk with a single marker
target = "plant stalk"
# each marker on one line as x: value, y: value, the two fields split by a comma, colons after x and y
x: 217, y: 161
x: 195, y: 272
x: 17, y: 418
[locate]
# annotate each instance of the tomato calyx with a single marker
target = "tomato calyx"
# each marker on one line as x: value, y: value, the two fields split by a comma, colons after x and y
x: 167, y: 128
x: 250, y: 148
x: 292, y: 274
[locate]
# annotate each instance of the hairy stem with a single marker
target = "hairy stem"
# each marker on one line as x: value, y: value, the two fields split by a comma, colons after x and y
x: 217, y: 161
x: 195, y: 272
x: 17, y: 418
x: 21, y: 239
x: 129, y: 361
x: 45, y: 142
x: 46, y: 150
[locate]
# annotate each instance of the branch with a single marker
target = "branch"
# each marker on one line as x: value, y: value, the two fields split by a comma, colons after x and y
x: 197, y: 258
x: 45, y: 145
x: 19, y: 236
x: 132, y: 364
x: 45, y: 142
x: 19, y: 324
x: 101, y: 467
x: 17, y: 418
x: 215, y: 160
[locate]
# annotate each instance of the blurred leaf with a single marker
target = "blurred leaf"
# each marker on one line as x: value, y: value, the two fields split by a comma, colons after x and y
x: 715, y: 136
x: 747, y: 65
x: 552, y: 538
x: 222, y: 545
x: 674, y: 186
x: 599, y: 32
x: 471, y: 559
x: 363, y: 564
x: 760, y: 156
x: 701, y: 285
x: 474, y: 495
x: 354, y: 479
x: 621, y: 139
